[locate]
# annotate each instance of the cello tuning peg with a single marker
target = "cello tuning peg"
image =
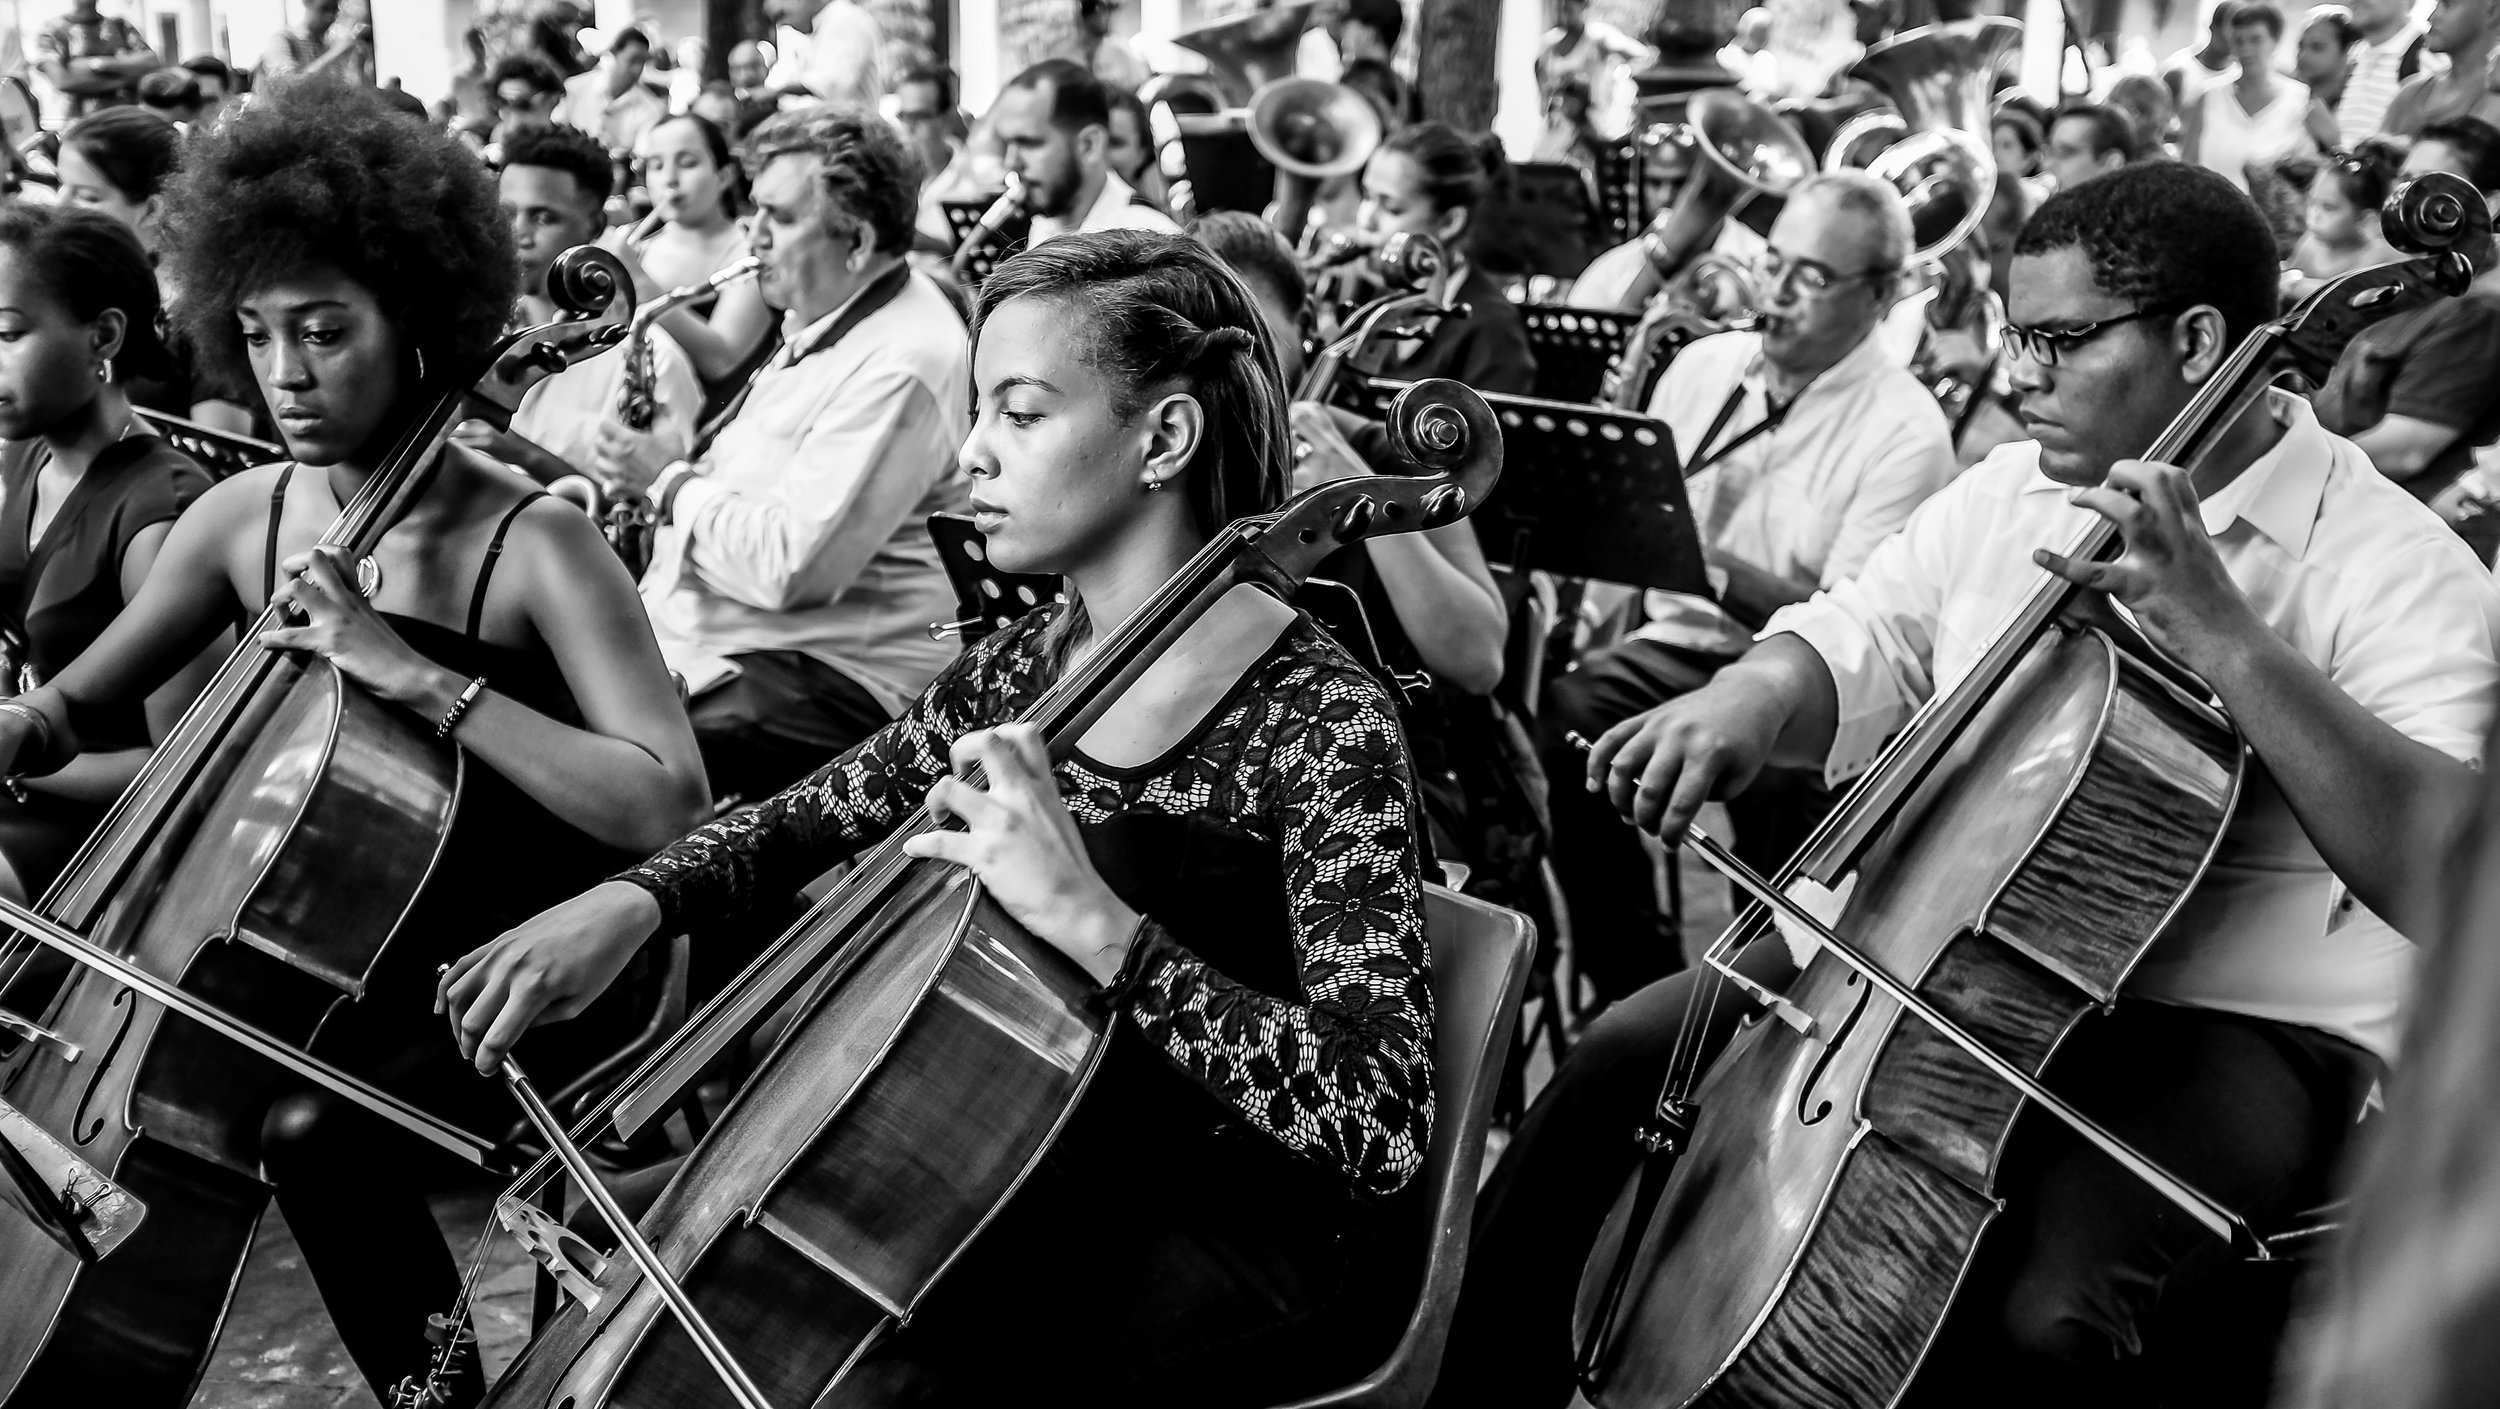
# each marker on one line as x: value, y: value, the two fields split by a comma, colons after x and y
x: 1445, y: 506
x: 1355, y: 519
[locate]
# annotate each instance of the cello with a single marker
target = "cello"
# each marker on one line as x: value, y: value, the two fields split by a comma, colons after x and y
x: 1802, y: 1244
x: 211, y: 890
x: 939, y: 1049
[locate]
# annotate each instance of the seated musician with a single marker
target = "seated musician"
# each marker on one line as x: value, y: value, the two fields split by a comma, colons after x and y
x: 1626, y: 277
x: 1054, y: 121
x: 1223, y: 1221
x: 2351, y: 639
x: 555, y: 184
x: 1428, y: 598
x: 793, y: 581
x: 87, y: 497
x: 693, y: 233
x: 2420, y: 392
x: 1431, y: 179
x: 354, y: 265
x: 1803, y: 446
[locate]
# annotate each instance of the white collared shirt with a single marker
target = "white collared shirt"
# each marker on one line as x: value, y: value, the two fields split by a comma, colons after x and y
x: 804, y: 526
x: 1861, y: 446
x: 2373, y: 83
x: 1119, y: 207
x: 617, y: 121
x: 2356, y: 575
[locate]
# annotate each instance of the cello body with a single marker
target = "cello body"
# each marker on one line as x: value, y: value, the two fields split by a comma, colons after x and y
x: 327, y: 781
x: 261, y: 863
x: 2004, y: 865
x: 940, y: 1059
x: 1829, y: 1271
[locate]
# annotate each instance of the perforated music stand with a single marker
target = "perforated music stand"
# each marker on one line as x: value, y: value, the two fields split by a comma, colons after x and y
x: 1585, y: 492
x: 221, y: 453
x: 962, y: 216
x: 986, y: 599
x: 1620, y: 215
x: 1574, y: 347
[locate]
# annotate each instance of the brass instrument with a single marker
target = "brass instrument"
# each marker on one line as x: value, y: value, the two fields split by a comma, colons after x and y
x: 1745, y: 151
x: 1001, y: 214
x: 1311, y: 132
x: 1713, y: 294
x: 1936, y: 152
x: 628, y: 520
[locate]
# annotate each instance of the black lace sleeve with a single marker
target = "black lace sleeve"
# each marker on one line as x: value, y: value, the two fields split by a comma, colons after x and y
x: 718, y: 872
x: 1345, y: 1075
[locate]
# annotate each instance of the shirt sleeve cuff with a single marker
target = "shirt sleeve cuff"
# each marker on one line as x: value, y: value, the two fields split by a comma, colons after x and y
x: 1147, y: 958
x: 681, y: 493
x: 1866, y: 718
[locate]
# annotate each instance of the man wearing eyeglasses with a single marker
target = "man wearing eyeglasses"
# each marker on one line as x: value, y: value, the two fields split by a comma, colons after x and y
x: 1803, y: 445
x: 2351, y: 639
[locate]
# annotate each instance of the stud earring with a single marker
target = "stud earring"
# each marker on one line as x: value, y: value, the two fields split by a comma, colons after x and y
x: 1153, y: 485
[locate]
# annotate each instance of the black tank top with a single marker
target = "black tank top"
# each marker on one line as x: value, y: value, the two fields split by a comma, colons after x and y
x: 507, y: 858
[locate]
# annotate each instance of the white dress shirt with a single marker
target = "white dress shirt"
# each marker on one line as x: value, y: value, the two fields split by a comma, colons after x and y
x: 563, y: 413
x: 1860, y: 447
x: 1119, y: 207
x: 803, y: 528
x: 617, y: 121
x: 2373, y: 82
x: 845, y: 55
x: 2356, y: 575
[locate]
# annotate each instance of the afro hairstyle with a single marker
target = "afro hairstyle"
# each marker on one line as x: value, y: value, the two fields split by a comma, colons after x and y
x: 2166, y: 235
x: 317, y: 175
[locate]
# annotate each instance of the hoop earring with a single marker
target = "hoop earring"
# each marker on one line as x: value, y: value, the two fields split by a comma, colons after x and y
x: 420, y: 364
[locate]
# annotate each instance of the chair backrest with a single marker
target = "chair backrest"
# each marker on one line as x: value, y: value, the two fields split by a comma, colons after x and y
x: 1480, y: 959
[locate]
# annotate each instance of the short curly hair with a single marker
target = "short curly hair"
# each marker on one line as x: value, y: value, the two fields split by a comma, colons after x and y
x: 870, y: 175
x: 318, y: 175
x: 2166, y: 236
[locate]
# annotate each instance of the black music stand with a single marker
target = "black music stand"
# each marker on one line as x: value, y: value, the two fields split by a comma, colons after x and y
x: 1619, y: 192
x: 1551, y: 224
x: 1585, y: 492
x: 1574, y: 347
x: 1226, y: 170
x: 219, y: 452
x: 986, y: 599
x: 962, y: 216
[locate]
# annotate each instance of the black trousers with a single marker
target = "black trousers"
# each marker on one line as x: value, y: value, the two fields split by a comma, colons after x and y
x: 781, y: 717
x: 2089, y: 1289
x: 1619, y: 939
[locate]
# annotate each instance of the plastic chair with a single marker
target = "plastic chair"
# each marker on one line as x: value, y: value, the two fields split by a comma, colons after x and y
x: 1480, y: 957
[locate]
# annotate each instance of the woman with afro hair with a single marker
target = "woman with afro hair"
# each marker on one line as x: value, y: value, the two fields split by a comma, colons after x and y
x: 354, y: 266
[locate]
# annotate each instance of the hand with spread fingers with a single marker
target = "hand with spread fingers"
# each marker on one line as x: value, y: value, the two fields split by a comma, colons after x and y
x: 1020, y: 839
x: 1658, y: 767
x: 335, y: 622
x: 2169, y: 576
x: 547, y: 969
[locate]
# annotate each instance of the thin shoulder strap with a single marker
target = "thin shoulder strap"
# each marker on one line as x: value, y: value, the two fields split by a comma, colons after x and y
x: 269, y: 555
x: 486, y: 569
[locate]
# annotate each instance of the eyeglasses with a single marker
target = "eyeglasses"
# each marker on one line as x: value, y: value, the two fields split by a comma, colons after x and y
x: 2046, y: 345
x: 1807, y: 278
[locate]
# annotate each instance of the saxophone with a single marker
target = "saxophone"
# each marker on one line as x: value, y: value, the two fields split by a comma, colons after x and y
x: 629, y: 520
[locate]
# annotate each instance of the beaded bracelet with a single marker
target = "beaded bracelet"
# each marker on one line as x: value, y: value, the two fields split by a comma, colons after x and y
x: 459, y: 707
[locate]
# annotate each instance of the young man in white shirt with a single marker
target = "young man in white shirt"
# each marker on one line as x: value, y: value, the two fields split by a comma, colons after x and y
x: 611, y: 102
x: 793, y: 581
x: 2352, y: 640
x: 555, y: 184
x: 2389, y: 53
x: 1054, y: 121
x: 1803, y: 446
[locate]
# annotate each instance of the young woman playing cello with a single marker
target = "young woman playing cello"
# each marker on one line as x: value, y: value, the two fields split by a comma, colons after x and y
x: 338, y: 253
x: 1217, y: 1224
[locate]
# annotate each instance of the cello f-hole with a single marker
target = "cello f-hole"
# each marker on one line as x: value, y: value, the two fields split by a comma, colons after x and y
x: 1831, y: 1049
x: 130, y: 1010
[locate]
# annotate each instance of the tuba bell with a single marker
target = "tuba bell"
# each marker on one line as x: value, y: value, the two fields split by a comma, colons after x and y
x: 1936, y: 152
x: 1208, y: 114
x: 1742, y: 150
x: 1310, y: 132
